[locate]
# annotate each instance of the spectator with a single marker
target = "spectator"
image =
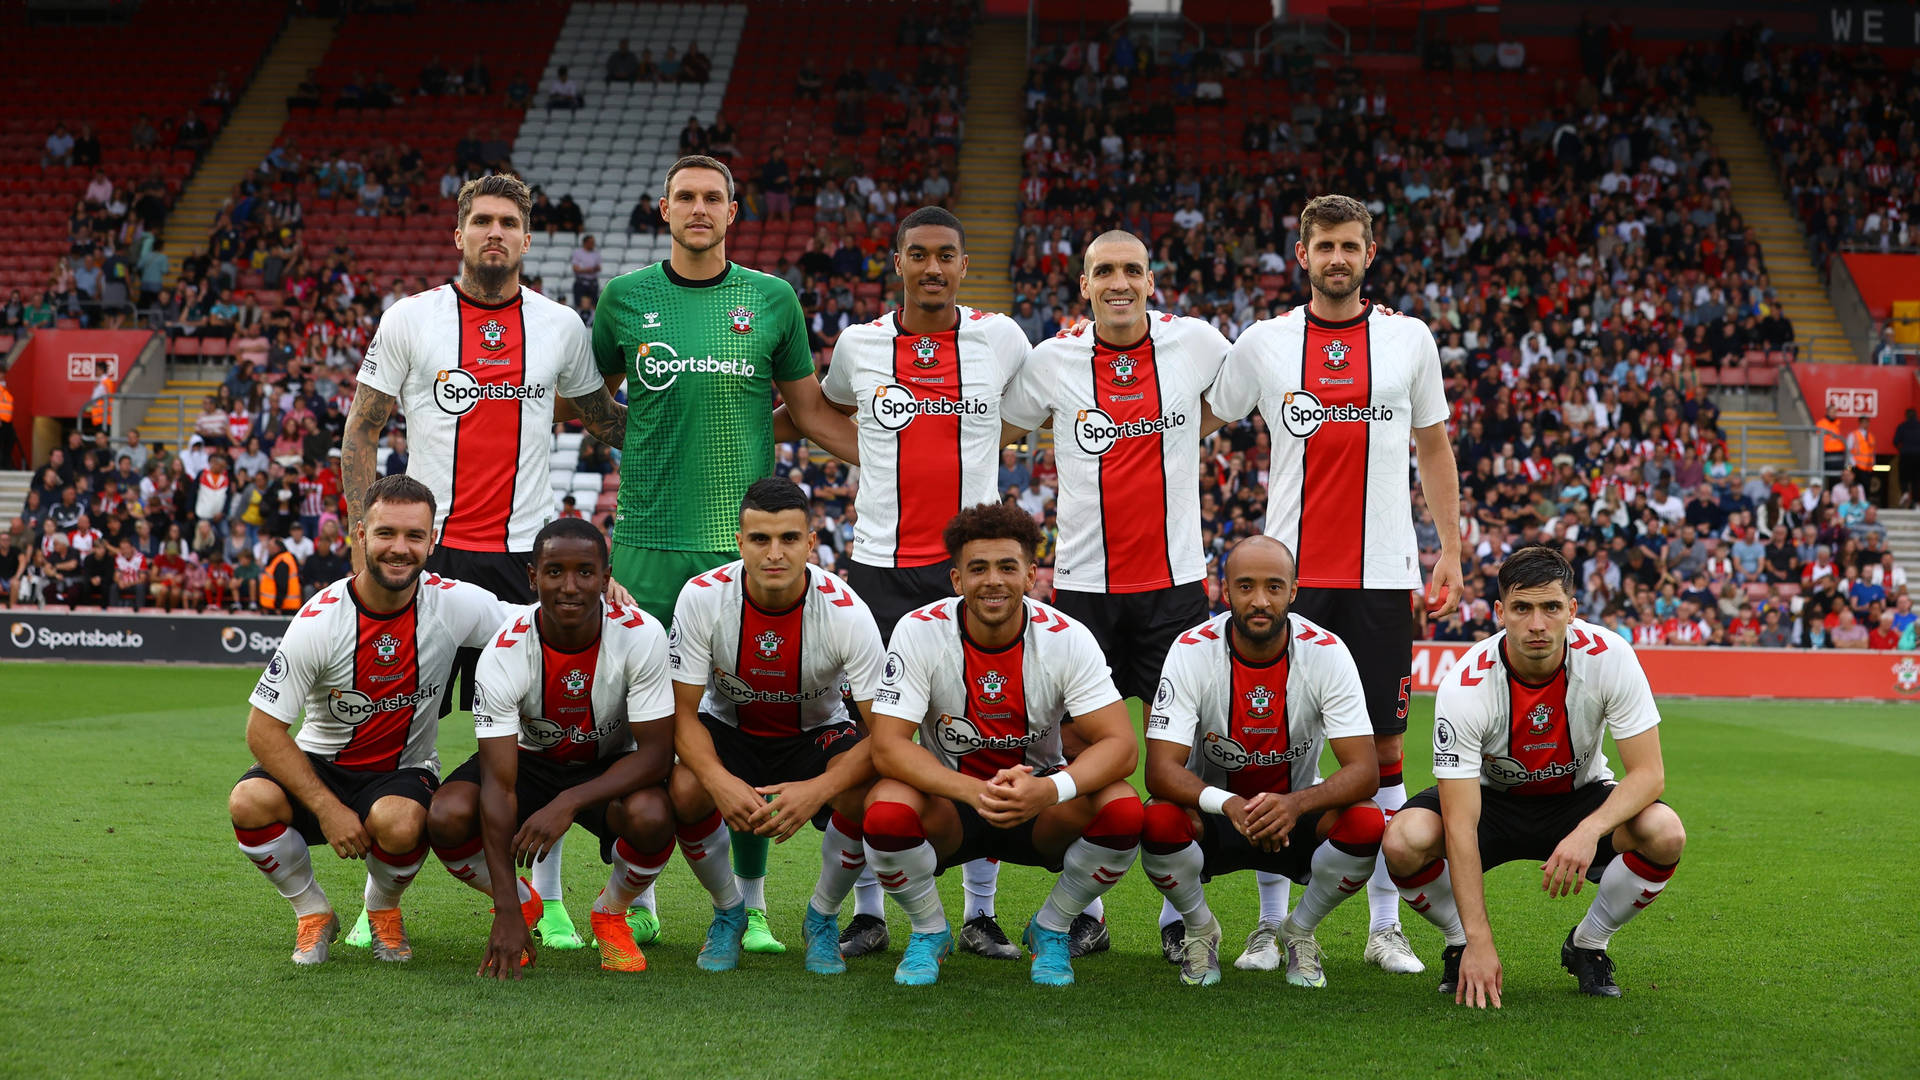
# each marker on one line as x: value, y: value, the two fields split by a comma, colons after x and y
x: 1847, y: 631
x: 59, y: 147
x: 622, y: 65
x: 563, y: 92
x: 586, y: 271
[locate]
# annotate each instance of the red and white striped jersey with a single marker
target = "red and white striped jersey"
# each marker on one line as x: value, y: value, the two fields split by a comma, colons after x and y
x: 982, y: 710
x: 1540, y: 740
x: 477, y: 384
x: 1258, y: 727
x: 370, y: 683
x: 573, y: 708
x: 1342, y: 400
x: 774, y: 673
x: 927, y: 408
x: 1126, y: 426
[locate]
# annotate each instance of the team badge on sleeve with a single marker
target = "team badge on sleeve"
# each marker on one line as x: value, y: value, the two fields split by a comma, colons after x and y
x: 1163, y: 697
x: 891, y: 673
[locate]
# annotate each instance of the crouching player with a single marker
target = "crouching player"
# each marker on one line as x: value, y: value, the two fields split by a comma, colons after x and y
x: 1234, y: 736
x: 365, y: 661
x: 575, y: 723
x: 1516, y: 750
x: 985, y: 678
x: 760, y: 649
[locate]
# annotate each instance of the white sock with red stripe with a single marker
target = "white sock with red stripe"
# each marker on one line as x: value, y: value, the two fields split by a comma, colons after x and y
x: 1383, y: 899
x: 468, y: 862
x: 843, y: 859
x: 546, y: 872
x: 1173, y: 862
x: 281, y: 853
x: 1627, y: 886
x: 388, y: 875
x: 633, y: 874
x: 1274, y: 893
x: 905, y: 863
x: 1429, y: 891
x: 1094, y: 862
x: 705, y: 844
x: 980, y: 879
x: 1342, y: 864
x: 868, y: 897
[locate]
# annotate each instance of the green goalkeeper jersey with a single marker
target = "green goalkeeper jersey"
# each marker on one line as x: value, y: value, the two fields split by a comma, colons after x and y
x: 700, y: 358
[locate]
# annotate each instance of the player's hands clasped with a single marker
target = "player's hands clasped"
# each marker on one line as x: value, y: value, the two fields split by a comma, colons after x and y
x: 1566, y: 869
x: 1479, y: 977
x: 506, y: 945
x: 344, y: 830
x: 789, y: 807
x: 1270, y: 817
x: 737, y: 802
x: 543, y: 830
x: 1014, y: 796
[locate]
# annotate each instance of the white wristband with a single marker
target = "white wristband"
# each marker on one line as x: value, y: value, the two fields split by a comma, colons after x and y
x: 1214, y: 800
x: 1063, y: 783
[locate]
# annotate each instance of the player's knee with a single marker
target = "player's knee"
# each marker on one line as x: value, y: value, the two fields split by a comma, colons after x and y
x: 451, y: 817
x: 690, y: 800
x: 256, y: 803
x: 1662, y: 836
x: 1118, y: 823
x: 397, y: 824
x: 645, y: 818
x: 1165, y: 828
x: 1411, y: 840
x: 1358, y: 829
x: 893, y: 826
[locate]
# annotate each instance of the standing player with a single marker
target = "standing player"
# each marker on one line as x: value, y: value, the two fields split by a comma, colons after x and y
x: 1516, y: 750
x: 760, y: 650
x: 477, y: 368
x: 1344, y: 384
x: 575, y: 724
x: 1247, y: 703
x: 702, y: 344
x: 366, y: 660
x: 985, y: 679
x: 924, y: 385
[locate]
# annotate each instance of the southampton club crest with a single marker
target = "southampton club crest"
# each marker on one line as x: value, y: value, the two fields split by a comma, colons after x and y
x: 742, y: 320
x: 993, y: 688
x: 1259, y: 703
x: 493, y: 334
x: 574, y: 683
x: 1906, y: 675
x: 924, y: 353
x: 1122, y: 366
x: 386, y: 647
x: 768, y: 645
x: 1540, y: 720
x: 1336, y: 351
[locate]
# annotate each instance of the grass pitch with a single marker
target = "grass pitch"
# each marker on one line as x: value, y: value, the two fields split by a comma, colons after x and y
x: 137, y: 941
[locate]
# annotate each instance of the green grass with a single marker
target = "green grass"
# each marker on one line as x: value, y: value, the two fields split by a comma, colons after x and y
x: 137, y: 941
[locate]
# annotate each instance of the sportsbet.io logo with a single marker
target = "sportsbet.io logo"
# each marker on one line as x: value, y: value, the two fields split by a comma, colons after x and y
x: 957, y: 736
x: 25, y: 635
x: 1301, y: 413
x: 1096, y: 433
x: 353, y: 708
x: 456, y: 391
x: 1225, y: 752
x: 895, y: 406
x: 660, y: 365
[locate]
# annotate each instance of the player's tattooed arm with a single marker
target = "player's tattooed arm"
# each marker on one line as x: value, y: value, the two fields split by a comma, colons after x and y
x: 604, y: 418
x: 359, y: 446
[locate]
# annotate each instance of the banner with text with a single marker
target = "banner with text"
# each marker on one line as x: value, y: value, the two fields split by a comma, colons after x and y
x: 1735, y: 673
x: 132, y: 638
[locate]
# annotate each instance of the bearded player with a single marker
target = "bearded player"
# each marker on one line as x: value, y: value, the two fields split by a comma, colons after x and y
x: 761, y: 648
x: 365, y: 661
x: 1346, y: 386
x: 984, y: 679
x: 1521, y: 775
x: 702, y: 344
x: 575, y: 724
x: 1248, y: 701
x: 479, y: 368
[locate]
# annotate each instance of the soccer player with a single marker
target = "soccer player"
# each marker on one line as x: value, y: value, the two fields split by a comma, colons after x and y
x: 1248, y: 701
x: 478, y: 367
x: 984, y: 678
x: 1124, y: 400
x: 702, y: 344
x: 1516, y: 750
x: 1345, y: 385
x: 924, y: 385
x: 366, y: 662
x: 574, y: 718
x: 760, y: 650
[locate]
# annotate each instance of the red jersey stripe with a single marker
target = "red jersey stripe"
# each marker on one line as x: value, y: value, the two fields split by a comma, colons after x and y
x: 769, y: 664
x: 1133, y: 472
x: 996, y: 704
x: 928, y: 366
x: 1336, y: 369
x: 486, y: 441
x: 566, y: 701
x: 1258, y: 717
x: 1538, y: 736
x: 386, y: 664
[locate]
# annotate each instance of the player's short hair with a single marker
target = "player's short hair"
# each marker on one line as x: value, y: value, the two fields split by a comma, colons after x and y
x: 1116, y: 236
x: 501, y: 185
x: 569, y: 529
x: 698, y: 161
x: 773, y: 495
x: 1532, y: 567
x: 992, y: 521
x: 929, y: 215
x: 1330, y: 210
x: 400, y: 490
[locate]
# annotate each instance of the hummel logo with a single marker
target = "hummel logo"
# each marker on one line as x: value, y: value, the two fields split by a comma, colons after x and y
x: 653, y: 321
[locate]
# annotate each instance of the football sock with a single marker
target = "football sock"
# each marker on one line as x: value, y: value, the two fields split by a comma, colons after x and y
x: 750, y: 856
x: 1173, y: 862
x: 1341, y: 864
x: 1628, y: 884
x: 633, y: 873
x: 546, y: 872
x: 843, y: 858
x: 1383, y: 900
x: 1429, y: 891
x: 868, y: 899
x: 646, y: 900
x: 704, y: 843
x: 1100, y: 857
x: 388, y: 875
x: 1097, y: 909
x: 468, y: 862
x: 1274, y: 892
x: 905, y: 863
x: 980, y: 879
x: 281, y: 854
x: 753, y: 890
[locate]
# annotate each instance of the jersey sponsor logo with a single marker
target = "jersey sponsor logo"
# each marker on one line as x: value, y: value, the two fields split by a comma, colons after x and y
x: 492, y: 334
x: 1259, y: 702
x: 1336, y: 351
x: 895, y: 406
x: 1225, y: 752
x: 1509, y: 772
x: 25, y: 635
x: 926, y: 353
x: 742, y: 320
x: 574, y: 683
x: 741, y: 692
x: 386, y: 647
x: 1158, y: 722
x: 545, y: 734
x: 456, y: 391
x: 1096, y: 432
x: 993, y: 688
x: 1446, y: 761
x: 265, y: 692
x: 1301, y: 413
x: 957, y: 736
x: 767, y: 645
x: 884, y: 696
x: 1540, y: 719
x: 660, y: 366
x: 1122, y: 366
x: 353, y: 708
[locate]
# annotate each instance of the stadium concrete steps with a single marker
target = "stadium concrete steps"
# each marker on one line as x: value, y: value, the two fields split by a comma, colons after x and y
x: 249, y: 133
x: 170, y: 418
x: 1903, y: 535
x: 990, y: 162
x: 13, y: 491
x: 1761, y: 202
x: 1756, y: 439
